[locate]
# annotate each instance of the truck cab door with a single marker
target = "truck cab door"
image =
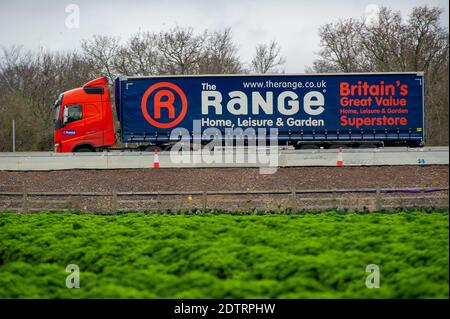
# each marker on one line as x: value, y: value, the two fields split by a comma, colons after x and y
x: 93, y: 122
x: 73, y: 129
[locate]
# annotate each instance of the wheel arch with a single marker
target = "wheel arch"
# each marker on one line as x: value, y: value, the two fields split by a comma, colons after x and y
x: 83, y: 145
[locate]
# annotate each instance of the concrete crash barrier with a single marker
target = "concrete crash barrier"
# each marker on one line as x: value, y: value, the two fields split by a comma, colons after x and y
x: 45, y: 161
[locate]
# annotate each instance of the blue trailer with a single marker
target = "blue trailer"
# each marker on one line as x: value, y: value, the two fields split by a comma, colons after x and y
x: 308, y: 110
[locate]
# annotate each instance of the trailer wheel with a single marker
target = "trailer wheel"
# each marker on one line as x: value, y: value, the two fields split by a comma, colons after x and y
x: 337, y: 146
x: 367, y: 146
x: 151, y: 148
x: 309, y: 147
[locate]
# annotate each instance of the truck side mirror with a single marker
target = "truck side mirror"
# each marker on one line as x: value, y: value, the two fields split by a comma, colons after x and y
x: 65, y: 115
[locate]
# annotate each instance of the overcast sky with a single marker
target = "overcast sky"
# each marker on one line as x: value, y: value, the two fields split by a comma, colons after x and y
x: 293, y: 23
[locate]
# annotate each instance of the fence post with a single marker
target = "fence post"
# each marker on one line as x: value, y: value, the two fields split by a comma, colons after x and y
x: 70, y: 204
x: 422, y: 197
x: 181, y: 204
x: 114, y: 203
x: 335, y: 203
x: 378, y: 204
x: 205, y: 200
x: 25, y: 207
x: 158, y: 203
x: 249, y: 201
x: 293, y: 200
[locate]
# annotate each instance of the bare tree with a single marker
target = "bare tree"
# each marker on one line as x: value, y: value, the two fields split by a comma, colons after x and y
x: 428, y: 46
x: 139, y: 56
x: 341, y: 47
x: 102, y: 51
x: 391, y: 44
x: 384, y: 43
x: 267, y: 58
x: 220, y: 54
x: 181, y: 51
x: 29, y: 84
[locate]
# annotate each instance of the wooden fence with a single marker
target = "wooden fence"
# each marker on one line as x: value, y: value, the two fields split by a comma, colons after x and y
x: 370, y: 199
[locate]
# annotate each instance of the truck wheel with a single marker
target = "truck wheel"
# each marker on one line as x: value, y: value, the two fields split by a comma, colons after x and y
x: 84, y: 150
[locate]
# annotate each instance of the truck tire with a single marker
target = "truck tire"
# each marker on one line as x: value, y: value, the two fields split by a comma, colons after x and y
x: 167, y: 148
x: 309, y: 147
x: 151, y: 148
x: 84, y: 149
x: 337, y: 146
x: 368, y: 146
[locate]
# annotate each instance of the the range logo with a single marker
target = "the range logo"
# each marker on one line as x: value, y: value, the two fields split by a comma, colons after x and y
x: 164, y: 105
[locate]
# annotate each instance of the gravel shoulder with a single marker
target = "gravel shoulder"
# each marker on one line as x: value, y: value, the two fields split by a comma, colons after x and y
x: 210, y: 179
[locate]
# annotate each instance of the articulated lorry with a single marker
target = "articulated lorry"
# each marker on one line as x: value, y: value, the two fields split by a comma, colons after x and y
x: 303, y: 111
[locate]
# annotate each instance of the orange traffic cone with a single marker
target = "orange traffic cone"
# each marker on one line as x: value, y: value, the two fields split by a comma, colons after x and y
x: 340, y: 159
x: 156, y: 159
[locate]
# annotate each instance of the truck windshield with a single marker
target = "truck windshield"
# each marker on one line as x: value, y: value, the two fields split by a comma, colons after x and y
x: 57, y: 110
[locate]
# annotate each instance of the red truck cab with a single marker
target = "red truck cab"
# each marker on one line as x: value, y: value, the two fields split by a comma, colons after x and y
x: 83, y: 118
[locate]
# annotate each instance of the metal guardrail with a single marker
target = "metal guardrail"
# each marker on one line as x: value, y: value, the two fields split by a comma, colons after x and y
x: 382, y: 198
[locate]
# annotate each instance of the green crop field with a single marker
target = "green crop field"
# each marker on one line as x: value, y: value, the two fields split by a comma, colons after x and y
x: 138, y: 255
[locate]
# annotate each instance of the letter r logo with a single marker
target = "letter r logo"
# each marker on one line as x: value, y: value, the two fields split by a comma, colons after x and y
x: 169, y: 101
